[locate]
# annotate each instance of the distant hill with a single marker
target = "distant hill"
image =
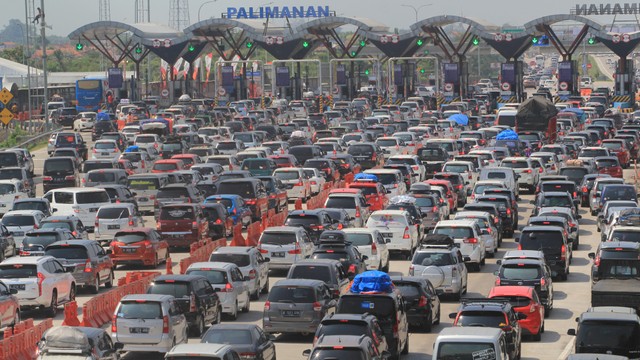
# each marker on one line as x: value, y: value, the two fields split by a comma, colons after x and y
x: 14, y: 32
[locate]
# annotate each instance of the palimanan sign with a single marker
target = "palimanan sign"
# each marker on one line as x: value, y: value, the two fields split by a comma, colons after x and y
x: 606, y: 9
x: 277, y: 12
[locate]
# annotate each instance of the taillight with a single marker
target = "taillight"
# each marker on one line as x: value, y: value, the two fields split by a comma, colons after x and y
x: 267, y: 305
x: 352, y: 269
x: 434, y: 209
x: 194, y: 225
x: 41, y: 278
x: 114, y: 324
x: 165, y: 324
x: 88, y: 267
x: 69, y: 177
x: 540, y: 170
x: 219, y: 221
x: 374, y: 248
x: 422, y: 302
x: 357, y: 211
x: 596, y: 262
x: 470, y: 241
x: 543, y: 282
x: 299, y: 183
x: 497, y: 282
x: 508, y: 211
x: 563, y: 252
x: 406, y: 233
x: 192, y: 303
x: 47, y: 178
x: 252, y: 274
x: 130, y: 221
x: 528, y: 171
x: 296, y: 250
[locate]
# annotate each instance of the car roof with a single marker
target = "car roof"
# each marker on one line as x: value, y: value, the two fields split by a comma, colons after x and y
x: 498, y: 291
x: 316, y: 262
x: 178, y: 277
x: 300, y: 282
x: 197, y: 349
x: 29, y: 260
x: 212, y: 265
x: 233, y: 250
x: 458, y: 222
x: 291, y: 229
x: 619, y: 244
x: 342, y: 340
x: 466, y: 334
x: 541, y: 228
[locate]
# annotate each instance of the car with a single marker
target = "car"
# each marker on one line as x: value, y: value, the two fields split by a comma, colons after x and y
x: 493, y: 313
x: 333, y: 346
x: 35, y: 241
x: 19, y: 222
x: 194, y: 298
x: 158, y: 321
x: 115, y: 217
x: 174, y: 194
x: 353, y: 324
x: 596, y: 192
x: 284, y: 246
x: 505, y: 176
x: 368, y: 155
x: 421, y: 301
x: 489, y: 232
x: 606, y: 330
x: 229, y: 284
x: 71, y: 341
x: 297, y: 183
x: 81, y: 202
x: 332, y: 245
x: 312, y: 301
x: 353, y: 201
x: 328, y: 270
x: 9, y: 305
x: 465, y: 342
x: 371, y: 244
x: 317, y: 180
x: 391, y: 179
x: 53, y: 287
x: 315, y: 222
x: 251, y: 263
x: 617, y: 192
x: 277, y: 192
x: 466, y: 234
x: 86, y: 260
x: 218, y: 219
x: 140, y: 246
x: 21, y: 174
x: 533, y: 273
x: 182, y: 224
x: 10, y: 191
x: 398, y: 227
x: 70, y: 140
x: 246, y: 339
x: 236, y: 207
x: 555, y: 199
x: 555, y: 244
x: 67, y: 222
x: 586, y: 185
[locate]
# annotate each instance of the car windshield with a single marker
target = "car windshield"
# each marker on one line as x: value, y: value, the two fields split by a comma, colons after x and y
x: 520, y: 272
x: 455, y: 168
x: 7, y: 174
x: 241, y: 260
x: 432, y: 259
x: 295, y: 294
x: 68, y: 252
x: 16, y: 271
x: 175, y: 289
x: 140, y: 310
x: 359, y: 239
x: 455, y: 232
x: 113, y: 213
x: 312, y: 272
x: 276, y: 238
x: 609, y: 335
x: 228, y: 336
x: 466, y: 351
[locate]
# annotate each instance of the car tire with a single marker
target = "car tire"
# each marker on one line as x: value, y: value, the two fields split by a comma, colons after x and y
x: 265, y: 288
x: 246, y: 307
x: 492, y: 254
x: 155, y: 262
x: 95, y: 288
x: 437, y: 322
x: 16, y: 318
x: 256, y: 294
x: 109, y: 284
x: 52, y: 310
x: 198, y: 330
x: 427, y: 324
x: 537, y: 337
x: 576, y: 244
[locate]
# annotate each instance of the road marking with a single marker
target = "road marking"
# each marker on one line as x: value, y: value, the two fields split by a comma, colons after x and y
x: 567, y: 349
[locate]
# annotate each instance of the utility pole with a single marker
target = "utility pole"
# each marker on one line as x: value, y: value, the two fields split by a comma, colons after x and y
x: 45, y: 102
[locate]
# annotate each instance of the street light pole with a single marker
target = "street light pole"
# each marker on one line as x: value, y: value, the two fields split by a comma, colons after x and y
x: 45, y: 103
x: 203, y: 4
x: 417, y: 9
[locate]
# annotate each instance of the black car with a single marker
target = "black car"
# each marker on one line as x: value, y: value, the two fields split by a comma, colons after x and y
x: 35, y: 241
x: 195, y: 296
x: 173, y: 146
x: 313, y: 221
x: 332, y: 245
x: 217, y: 215
x: 556, y: 199
x: 527, y: 272
x: 244, y: 339
x: 341, y: 216
x: 420, y: 299
x: 369, y: 155
x: 344, y: 162
x: 119, y: 194
x: 71, y: 140
x: 102, y: 127
x: 505, y: 208
x: 59, y: 172
x: 353, y: 324
x: 555, y: 244
x: 66, y: 116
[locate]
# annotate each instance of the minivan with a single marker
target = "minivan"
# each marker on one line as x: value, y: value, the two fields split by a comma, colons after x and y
x: 182, y: 224
x: 146, y: 187
x: 553, y: 241
x: 467, y: 342
x: 82, y: 202
x: 104, y: 177
x: 305, y: 152
x: 504, y: 175
x: 284, y: 246
x: 59, y: 172
x: 252, y: 191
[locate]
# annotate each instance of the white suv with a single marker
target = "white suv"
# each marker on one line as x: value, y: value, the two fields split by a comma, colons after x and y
x: 371, y: 244
x: 229, y: 284
x: 251, y: 264
x: 444, y: 266
x: 41, y: 282
x: 398, y: 227
x: 466, y: 233
x: 527, y: 172
x: 419, y: 170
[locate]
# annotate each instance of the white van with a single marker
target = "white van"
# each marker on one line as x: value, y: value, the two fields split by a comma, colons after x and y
x: 471, y: 343
x: 81, y: 202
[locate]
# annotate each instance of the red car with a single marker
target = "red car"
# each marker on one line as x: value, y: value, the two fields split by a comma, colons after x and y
x: 182, y: 224
x: 608, y: 165
x: 524, y: 300
x: 284, y: 160
x: 167, y: 166
x: 188, y: 159
x: 374, y: 192
x: 452, y: 196
x: 619, y: 148
x: 141, y: 245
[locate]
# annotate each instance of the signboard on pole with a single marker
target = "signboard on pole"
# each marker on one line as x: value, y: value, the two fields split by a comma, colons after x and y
x: 115, y: 78
x: 341, y: 76
x: 5, y: 114
x: 397, y: 74
x: 282, y: 76
x: 226, y: 73
x: 451, y: 74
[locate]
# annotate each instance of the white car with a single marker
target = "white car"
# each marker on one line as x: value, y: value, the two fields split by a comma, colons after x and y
x: 85, y: 121
x: 10, y: 191
x: 465, y: 233
x: 397, y: 226
x: 489, y: 232
x: 297, y: 183
x: 371, y: 244
x: 113, y: 218
x: 41, y: 281
x: 419, y: 170
x: 105, y: 149
x: 525, y: 168
x: 130, y: 132
x: 316, y: 179
x: 391, y: 146
x: 464, y: 168
x: 20, y: 222
x: 228, y: 282
x: 144, y: 140
x: 250, y: 262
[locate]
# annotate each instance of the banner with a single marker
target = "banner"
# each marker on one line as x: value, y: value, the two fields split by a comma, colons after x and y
x: 115, y: 78
x: 176, y: 68
x: 227, y: 75
x: 185, y: 69
x: 282, y: 76
x: 164, y: 66
x: 196, y: 67
x: 451, y: 74
x: 207, y: 63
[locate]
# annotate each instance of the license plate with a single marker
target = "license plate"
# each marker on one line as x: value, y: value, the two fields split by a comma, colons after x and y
x: 143, y: 199
x: 291, y: 313
x: 17, y: 286
x: 387, y: 235
x: 18, y: 233
x: 104, y: 154
x: 93, y: 209
x: 3, y: 205
x: 277, y: 254
x: 113, y: 227
x: 138, y: 330
x: 387, y: 239
x: 129, y: 250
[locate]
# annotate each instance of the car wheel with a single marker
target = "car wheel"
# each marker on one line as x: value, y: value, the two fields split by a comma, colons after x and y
x: 538, y: 336
x: 155, y: 262
x: 405, y: 349
x: 52, y: 310
x: 219, y: 317
x: 234, y: 314
x: 265, y: 288
x: 109, y: 284
x: 16, y: 318
x: 95, y: 288
x: 72, y: 293
x: 256, y: 294
x: 246, y: 307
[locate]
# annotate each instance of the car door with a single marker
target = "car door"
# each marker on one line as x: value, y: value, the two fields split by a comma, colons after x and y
x: 7, y: 307
x: 263, y: 268
x: 242, y: 286
x: 208, y: 297
x: 266, y: 347
x: 60, y: 278
x: 102, y: 261
x: 178, y: 322
x: 435, y: 300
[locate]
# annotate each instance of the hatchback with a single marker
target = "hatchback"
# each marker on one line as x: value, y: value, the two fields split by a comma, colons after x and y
x: 250, y: 262
x: 229, y: 284
x: 524, y: 300
x: 115, y: 217
x: 297, y: 306
x: 148, y: 323
x: 140, y: 246
x: 105, y: 149
x: 285, y: 245
x: 533, y: 273
x: 182, y: 224
x: 236, y: 207
x: 252, y: 191
x: 372, y: 244
x: 421, y: 300
x: 19, y: 222
x: 87, y: 261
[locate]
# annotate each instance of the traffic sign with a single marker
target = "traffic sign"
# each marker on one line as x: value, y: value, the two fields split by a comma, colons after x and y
x: 615, y: 38
x: 448, y: 87
x: 564, y: 86
x: 498, y: 37
x: 164, y: 93
x: 5, y: 96
x: 626, y: 38
x: 6, y: 116
x: 589, y: 66
x: 505, y: 86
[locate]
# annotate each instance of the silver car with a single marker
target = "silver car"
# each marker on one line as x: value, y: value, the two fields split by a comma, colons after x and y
x: 229, y: 284
x: 251, y: 264
x: 371, y: 244
x: 113, y: 218
x: 284, y: 245
x: 148, y: 323
x: 444, y: 266
x: 489, y: 233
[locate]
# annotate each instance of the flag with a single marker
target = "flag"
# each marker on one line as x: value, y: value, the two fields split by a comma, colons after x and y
x: 163, y: 72
x: 207, y: 62
x: 185, y: 69
x: 196, y: 67
x: 176, y: 67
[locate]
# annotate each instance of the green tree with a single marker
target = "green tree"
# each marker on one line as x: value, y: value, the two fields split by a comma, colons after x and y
x: 14, y: 54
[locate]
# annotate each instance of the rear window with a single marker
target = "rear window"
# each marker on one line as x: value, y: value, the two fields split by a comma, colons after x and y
x: 130, y: 238
x: 341, y: 202
x: 255, y: 165
x: 68, y: 252
x: 275, y: 238
x: 446, y: 146
x: 359, y: 239
x: 101, y: 177
x: 536, y: 240
x: 177, y: 213
x: 172, y: 146
x: 520, y: 272
x: 144, y: 184
x: 227, y: 336
x: 240, y: 260
x: 625, y: 235
x: 455, y: 232
x: 455, y: 168
x: 105, y: 145
x: 165, y: 166
x: 53, y: 165
x: 574, y: 173
x: 381, y: 306
x: 287, y: 175
x: 360, y: 150
x: 92, y: 197
x: 366, y: 190
x: 88, y: 166
x: 56, y: 225
x: 558, y: 187
x: 387, y: 179
x: 6, y: 174
x: 175, y: 289
x: 385, y: 220
x: 8, y: 159
x: 432, y: 259
x: 408, y: 290
x: 113, y: 213
x: 425, y: 202
x: 306, y: 220
x: 18, y: 220
x: 466, y: 351
x: 496, y: 175
x: 244, y: 189
x: 172, y: 193
x: 605, y: 163
x: 311, y: 272
x: 559, y: 201
x: 481, y: 318
x: 221, y: 161
x: 297, y: 294
x: 16, y: 271
x: 215, y: 277
x: 514, y: 164
x: 140, y: 310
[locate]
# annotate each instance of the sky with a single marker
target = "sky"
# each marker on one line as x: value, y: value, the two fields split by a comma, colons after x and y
x: 66, y: 15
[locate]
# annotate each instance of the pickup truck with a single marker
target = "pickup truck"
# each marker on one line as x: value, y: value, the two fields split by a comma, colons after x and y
x: 433, y: 158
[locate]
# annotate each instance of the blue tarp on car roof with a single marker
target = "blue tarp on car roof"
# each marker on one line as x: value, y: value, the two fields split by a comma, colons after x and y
x: 372, y: 281
x: 507, y: 134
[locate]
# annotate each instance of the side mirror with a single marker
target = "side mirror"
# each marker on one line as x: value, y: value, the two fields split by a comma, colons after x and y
x: 578, y: 217
x: 13, y: 291
x: 496, y: 272
x: 306, y: 353
x: 453, y: 315
x: 54, y: 210
x: 271, y: 337
x: 591, y: 255
x: 118, y: 346
x: 365, y: 257
x: 571, y: 332
x: 532, y: 202
x: 516, y: 238
x: 266, y: 259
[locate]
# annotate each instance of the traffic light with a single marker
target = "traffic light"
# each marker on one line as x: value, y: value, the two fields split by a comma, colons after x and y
x: 362, y: 43
x: 592, y: 41
x: 249, y: 44
x: 79, y: 46
x: 426, y: 52
x: 419, y: 42
x: 193, y: 48
x: 366, y: 71
x: 353, y: 54
x: 138, y: 49
x: 305, y: 44
x: 475, y: 41
x: 534, y: 40
x: 422, y: 70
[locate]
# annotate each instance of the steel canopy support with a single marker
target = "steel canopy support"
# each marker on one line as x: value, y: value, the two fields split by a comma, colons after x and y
x: 330, y: 36
x: 553, y: 37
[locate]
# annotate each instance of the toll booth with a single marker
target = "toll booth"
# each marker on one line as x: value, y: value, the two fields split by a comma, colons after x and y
x: 568, y: 83
x: 624, y: 84
x: 510, y: 82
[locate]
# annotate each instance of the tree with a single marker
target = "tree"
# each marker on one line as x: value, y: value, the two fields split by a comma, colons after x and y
x: 14, y: 54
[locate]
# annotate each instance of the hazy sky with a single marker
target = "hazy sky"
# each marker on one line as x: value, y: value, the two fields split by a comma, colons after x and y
x: 66, y: 15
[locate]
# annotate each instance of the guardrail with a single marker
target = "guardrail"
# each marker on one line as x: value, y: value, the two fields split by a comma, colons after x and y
x: 21, y: 341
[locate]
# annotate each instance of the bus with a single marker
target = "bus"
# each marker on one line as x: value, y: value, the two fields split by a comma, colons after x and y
x: 90, y: 94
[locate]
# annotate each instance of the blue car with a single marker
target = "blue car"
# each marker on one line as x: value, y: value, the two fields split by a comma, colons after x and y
x: 238, y: 210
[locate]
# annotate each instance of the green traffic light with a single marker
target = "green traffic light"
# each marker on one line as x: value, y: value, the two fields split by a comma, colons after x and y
x: 419, y: 42
x: 191, y: 48
x: 362, y: 43
x: 366, y: 72
x: 305, y: 44
x: 422, y: 71
x: 249, y: 44
x: 138, y: 50
x: 592, y: 41
x: 353, y: 54
x: 476, y: 41
x: 534, y: 40
x: 79, y: 46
